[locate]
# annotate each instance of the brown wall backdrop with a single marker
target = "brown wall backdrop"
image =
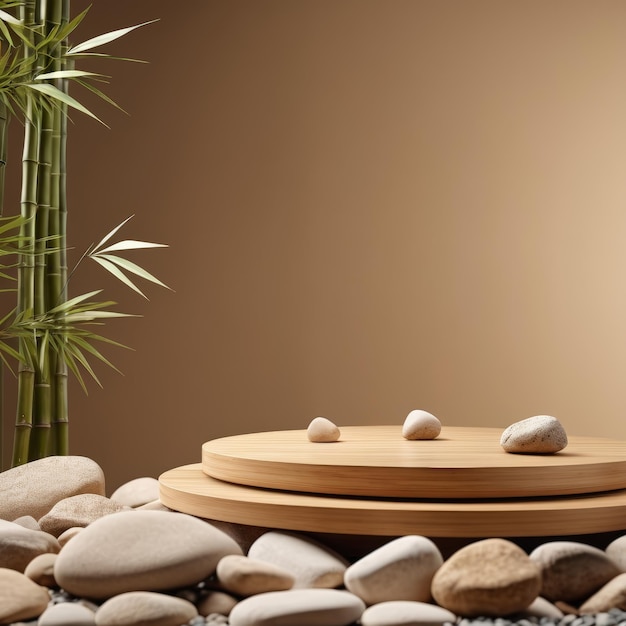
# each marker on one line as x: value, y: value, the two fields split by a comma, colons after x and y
x: 371, y: 205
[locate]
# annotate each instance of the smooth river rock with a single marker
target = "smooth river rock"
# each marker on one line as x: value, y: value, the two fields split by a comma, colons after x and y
x: 406, y: 613
x: 310, y: 563
x: 541, y: 434
x: 246, y: 577
x: 19, y: 545
x: 616, y: 551
x: 35, y: 487
x: 20, y: 597
x: 137, y: 492
x: 41, y: 570
x: 310, y: 607
x: 139, y: 551
x: 421, y: 425
x: 322, y: 430
x: 492, y: 577
x: 140, y: 608
x: 402, y: 569
x: 611, y: 596
x: 77, y: 512
x: 572, y: 571
x: 67, y: 614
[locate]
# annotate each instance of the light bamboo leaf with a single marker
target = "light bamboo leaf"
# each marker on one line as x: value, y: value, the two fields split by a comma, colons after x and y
x: 9, y: 19
x: 110, y: 234
x: 69, y: 28
x: 74, y: 355
x: 97, y: 55
x: 52, y: 92
x: 4, y: 31
x: 65, y: 306
x: 65, y: 74
x: 105, y: 38
x: 95, y: 352
x: 129, y: 266
x: 131, y: 244
x: 89, y: 316
x: 113, y: 269
x: 100, y: 94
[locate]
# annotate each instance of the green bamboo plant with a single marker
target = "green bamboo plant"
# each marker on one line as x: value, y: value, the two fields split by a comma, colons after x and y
x: 49, y: 334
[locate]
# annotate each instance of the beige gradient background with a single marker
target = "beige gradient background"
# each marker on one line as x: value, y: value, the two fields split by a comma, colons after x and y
x: 371, y: 205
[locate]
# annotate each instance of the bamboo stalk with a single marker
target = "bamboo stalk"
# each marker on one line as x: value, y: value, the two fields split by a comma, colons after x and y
x: 46, y: 284
x: 26, y: 270
x: 58, y: 262
x: 4, y: 126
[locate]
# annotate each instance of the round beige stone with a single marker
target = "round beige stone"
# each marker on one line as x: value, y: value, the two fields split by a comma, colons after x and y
x: 41, y: 570
x: 140, y: 551
x: 421, y: 424
x: 20, y: 597
x: 77, y: 511
x: 35, y: 487
x: 541, y: 434
x: 492, y: 577
x: 137, y: 492
x: 571, y: 570
x: 138, y: 608
x: 19, y: 545
x: 245, y: 576
x: 313, y: 607
x: 322, y: 430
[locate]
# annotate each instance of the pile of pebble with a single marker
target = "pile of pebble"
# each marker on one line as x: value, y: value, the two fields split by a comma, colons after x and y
x: 71, y: 556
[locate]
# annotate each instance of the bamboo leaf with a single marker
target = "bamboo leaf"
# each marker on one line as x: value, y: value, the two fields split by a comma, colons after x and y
x: 110, y: 234
x: 70, y: 27
x: 70, y: 357
x: 100, y: 94
x: 95, y: 352
x: 57, y: 94
x: 129, y: 266
x: 65, y: 306
x: 99, y: 55
x: 9, y: 19
x: 4, y: 31
x: 105, y: 38
x: 89, y: 316
x: 131, y: 244
x: 113, y: 269
x: 65, y: 74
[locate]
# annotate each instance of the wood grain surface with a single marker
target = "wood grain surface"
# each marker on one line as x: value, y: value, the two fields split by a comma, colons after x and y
x: 189, y: 490
x: 376, y: 461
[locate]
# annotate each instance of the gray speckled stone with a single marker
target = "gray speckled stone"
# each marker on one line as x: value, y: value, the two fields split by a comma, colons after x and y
x: 541, y: 434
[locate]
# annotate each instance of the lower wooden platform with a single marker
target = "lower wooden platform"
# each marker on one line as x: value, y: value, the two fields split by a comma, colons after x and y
x: 189, y: 490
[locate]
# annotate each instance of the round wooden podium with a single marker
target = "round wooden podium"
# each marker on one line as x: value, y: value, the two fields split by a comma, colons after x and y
x: 374, y: 482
